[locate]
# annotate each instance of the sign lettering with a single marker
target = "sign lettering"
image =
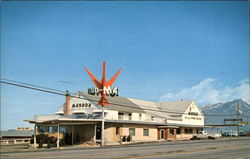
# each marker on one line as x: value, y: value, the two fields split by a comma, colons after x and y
x: 194, y: 118
x: 106, y: 90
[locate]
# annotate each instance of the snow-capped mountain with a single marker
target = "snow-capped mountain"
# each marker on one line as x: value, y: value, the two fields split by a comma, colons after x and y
x: 230, y: 109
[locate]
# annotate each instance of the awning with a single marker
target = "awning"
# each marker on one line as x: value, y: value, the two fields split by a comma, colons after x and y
x: 78, y: 111
x: 168, y: 127
x: 97, y: 111
x: 59, y: 112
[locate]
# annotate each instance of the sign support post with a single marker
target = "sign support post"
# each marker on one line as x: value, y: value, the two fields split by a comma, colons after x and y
x: 104, y: 88
x: 103, y: 138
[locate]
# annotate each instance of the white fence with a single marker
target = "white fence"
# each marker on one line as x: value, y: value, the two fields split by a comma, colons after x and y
x: 14, y: 141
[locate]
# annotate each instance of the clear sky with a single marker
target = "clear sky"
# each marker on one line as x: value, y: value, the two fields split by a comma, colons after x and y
x: 170, y: 50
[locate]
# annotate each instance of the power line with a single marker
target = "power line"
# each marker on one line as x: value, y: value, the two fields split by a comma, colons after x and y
x: 42, y: 90
x: 33, y: 88
x: 32, y: 85
x: 54, y: 91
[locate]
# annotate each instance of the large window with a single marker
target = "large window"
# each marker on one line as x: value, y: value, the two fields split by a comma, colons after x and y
x: 132, y: 131
x: 171, y: 131
x: 41, y: 128
x: 52, y: 129
x: 188, y: 131
x: 178, y: 131
x: 145, y: 132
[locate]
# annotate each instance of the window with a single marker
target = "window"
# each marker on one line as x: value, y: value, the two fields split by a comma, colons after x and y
x: 52, y: 129
x: 76, y: 105
x: 80, y: 105
x: 178, y: 131
x: 171, y: 131
x: 132, y: 131
x: 145, y: 132
x: 117, y: 130
x: 188, y: 131
x: 63, y: 129
x: 130, y: 116
x: 152, y: 118
x: 73, y: 105
x: 41, y: 128
x: 140, y: 115
x: 120, y: 116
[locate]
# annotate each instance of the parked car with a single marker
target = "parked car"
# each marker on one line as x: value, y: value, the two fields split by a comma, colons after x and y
x: 205, y: 135
x: 243, y: 133
x: 230, y: 133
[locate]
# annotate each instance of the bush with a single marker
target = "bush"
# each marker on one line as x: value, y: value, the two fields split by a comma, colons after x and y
x: 32, y: 140
x: 128, y: 138
x: 124, y: 138
x: 48, y: 143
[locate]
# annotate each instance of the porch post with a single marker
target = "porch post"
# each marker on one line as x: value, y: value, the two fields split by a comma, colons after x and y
x: 182, y: 132
x: 58, y: 130
x: 95, y: 134
x: 35, y: 136
x: 158, y: 134
x: 103, y: 126
x: 175, y: 134
x: 167, y: 133
x: 72, y: 130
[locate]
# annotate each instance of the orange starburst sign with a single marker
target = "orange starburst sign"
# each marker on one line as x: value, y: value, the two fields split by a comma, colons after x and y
x: 103, y: 84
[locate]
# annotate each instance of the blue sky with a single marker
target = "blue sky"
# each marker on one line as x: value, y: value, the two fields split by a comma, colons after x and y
x: 170, y: 51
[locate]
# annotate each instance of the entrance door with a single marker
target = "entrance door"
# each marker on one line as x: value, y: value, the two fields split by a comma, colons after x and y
x: 98, y: 133
x: 162, y: 134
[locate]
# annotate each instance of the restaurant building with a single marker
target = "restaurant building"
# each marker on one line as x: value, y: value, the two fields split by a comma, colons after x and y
x: 79, y: 120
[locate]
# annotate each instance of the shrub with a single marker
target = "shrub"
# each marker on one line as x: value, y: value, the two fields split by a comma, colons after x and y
x: 128, y: 138
x: 124, y: 138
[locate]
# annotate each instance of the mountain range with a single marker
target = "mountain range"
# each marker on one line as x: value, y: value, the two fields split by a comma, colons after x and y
x: 227, y: 110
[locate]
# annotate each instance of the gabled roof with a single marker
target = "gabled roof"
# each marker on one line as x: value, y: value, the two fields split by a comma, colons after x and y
x: 122, y: 104
x: 150, y: 108
x: 116, y: 103
x: 175, y: 106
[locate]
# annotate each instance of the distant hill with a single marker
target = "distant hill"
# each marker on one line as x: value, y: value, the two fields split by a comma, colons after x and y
x: 227, y: 108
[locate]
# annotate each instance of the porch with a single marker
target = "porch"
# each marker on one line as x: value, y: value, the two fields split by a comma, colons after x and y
x: 63, y: 132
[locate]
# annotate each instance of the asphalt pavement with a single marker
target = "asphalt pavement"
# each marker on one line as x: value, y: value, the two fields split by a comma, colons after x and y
x: 207, y: 149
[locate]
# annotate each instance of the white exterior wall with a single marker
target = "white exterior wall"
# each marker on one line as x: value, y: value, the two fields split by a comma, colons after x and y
x: 89, y: 110
x: 193, y: 119
x: 135, y: 116
x: 175, y: 121
x: 113, y: 114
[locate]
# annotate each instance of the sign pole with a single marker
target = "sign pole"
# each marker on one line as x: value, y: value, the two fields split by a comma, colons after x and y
x: 102, y: 126
x: 104, y: 89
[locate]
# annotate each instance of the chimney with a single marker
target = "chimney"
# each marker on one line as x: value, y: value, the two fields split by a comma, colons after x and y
x: 67, y: 105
